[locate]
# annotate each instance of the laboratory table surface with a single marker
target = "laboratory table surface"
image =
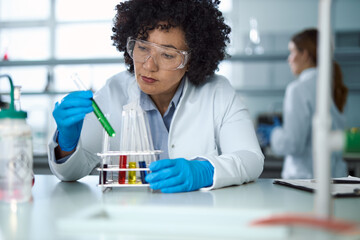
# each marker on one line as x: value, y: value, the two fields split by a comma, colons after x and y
x: 82, y: 210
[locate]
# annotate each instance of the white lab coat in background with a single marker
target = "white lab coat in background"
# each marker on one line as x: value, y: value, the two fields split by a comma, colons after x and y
x: 210, y: 122
x: 293, y: 139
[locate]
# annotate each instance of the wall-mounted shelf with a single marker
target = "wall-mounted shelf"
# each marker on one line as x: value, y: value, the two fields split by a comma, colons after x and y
x: 271, y: 56
x: 278, y: 91
x: 38, y: 93
x: 343, y: 55
x: 54, y: 62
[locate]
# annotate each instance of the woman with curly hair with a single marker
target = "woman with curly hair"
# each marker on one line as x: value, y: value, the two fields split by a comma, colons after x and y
x: 172, y: 49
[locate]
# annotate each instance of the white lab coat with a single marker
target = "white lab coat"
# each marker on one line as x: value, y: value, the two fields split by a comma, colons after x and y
x: 293, y: 139
x: 210, y: 122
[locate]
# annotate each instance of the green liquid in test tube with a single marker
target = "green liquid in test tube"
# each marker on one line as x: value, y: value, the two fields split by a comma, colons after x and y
x: 98, y: 113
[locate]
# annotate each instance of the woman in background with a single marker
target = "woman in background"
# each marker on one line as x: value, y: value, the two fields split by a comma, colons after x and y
x: 294, y: 138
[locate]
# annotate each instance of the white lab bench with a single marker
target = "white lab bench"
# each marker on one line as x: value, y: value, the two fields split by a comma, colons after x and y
x: 70, y: 210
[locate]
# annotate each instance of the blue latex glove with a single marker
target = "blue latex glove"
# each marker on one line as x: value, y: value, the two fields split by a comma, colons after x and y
x: 180, y: 175
x: 264, y: 131
x: 69, y: 115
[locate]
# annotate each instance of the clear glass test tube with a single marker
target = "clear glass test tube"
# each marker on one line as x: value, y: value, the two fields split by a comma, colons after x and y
x: 124, y: 146
x: 100, y: 116
x: 133, y: 140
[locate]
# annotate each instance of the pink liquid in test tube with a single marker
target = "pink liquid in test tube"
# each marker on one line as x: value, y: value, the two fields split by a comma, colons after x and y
x: 122, y: 164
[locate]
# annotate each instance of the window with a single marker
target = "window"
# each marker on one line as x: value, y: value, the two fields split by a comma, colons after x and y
x: 78, y: 30
x: 46, y: 45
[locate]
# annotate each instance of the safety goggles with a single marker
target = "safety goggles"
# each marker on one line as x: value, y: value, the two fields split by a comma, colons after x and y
x: 166, y: 58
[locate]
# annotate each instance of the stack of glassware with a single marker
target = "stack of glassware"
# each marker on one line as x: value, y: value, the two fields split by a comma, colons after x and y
x: 129, y: 166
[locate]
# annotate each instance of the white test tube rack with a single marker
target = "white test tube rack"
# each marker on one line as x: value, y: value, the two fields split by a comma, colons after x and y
x: 109, y: 174
x: 129, y: 166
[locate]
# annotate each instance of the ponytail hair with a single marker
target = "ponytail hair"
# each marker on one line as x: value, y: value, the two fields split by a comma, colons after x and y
x: 307, y: 40
x: 339, y: 90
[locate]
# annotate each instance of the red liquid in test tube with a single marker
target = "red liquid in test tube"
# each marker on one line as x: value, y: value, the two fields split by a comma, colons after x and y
x: 122, y: 164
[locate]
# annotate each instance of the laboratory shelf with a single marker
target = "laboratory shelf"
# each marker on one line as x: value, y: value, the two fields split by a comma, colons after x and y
x: 39, y: 93
x: 348, y: 55
x: 54, y: 62
x: 263, y: 91
x: 248, y: 91
x: 271, y: 56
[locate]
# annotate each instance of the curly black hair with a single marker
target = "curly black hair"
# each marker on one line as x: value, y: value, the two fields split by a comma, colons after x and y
x: 206, y: 33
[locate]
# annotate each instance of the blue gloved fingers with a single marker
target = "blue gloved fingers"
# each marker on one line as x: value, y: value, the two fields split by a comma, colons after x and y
x: 69, y: 115
x: 179, y: 179
x: 163, y: 169
x: 73, y: 112
x: 70, y: 102
x: 75, y: 103
x: 184, y: 175
x: 164, y: 163
x: 80, y: 94
x: 74, y: 99
x: 162, y: 174
x: 71, y: 120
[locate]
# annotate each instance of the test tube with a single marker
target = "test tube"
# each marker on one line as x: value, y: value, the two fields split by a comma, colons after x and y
x: 122, y: 164
x: 105, y: 161
x: 100, y: 116
x: 124, y: 146
x: 132, y: 174
x: 146, y: 142
x: 103, y: 175
x: 142, y: 164
x: 133, y: 140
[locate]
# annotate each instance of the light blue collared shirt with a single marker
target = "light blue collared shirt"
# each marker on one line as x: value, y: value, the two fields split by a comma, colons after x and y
x: 160, y: 125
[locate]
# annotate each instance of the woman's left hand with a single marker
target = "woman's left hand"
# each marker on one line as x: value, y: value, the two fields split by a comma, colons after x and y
x: 180, y: 175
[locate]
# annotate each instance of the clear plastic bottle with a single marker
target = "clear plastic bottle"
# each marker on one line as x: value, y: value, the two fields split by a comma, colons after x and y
x: 16, y: 158
x: 254, y: 46
x: 17, y: 95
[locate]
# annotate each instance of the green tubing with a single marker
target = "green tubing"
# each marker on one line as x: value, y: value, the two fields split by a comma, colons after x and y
x: 352, y: 144
x: 102, y: 119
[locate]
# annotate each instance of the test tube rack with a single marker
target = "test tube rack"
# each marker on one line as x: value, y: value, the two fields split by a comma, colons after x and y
x: 116, y: 171
x: 129, y: 166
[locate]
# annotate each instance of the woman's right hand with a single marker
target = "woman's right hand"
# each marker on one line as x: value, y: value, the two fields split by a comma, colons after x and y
x: 69, y: 115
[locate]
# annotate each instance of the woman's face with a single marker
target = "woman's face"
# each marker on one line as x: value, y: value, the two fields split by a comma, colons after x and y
x: 161, y: 84
x: 298, y: 60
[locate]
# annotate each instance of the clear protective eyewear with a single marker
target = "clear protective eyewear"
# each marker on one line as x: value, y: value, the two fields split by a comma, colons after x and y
x: 166, y: 58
